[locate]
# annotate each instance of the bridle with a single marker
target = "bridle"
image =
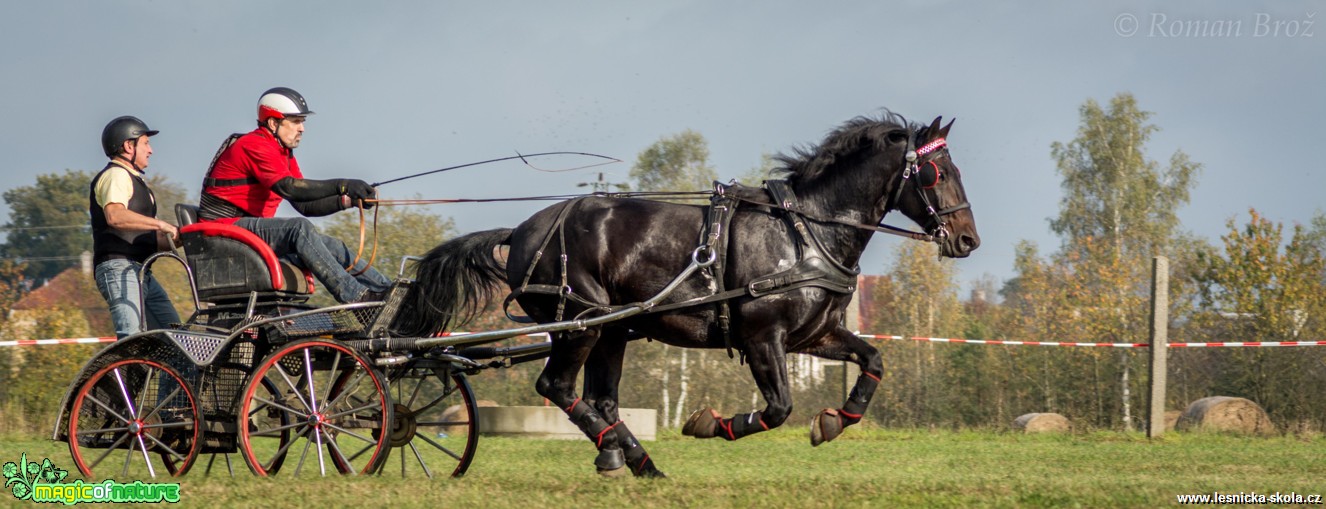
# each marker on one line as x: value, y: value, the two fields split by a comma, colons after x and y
x: 916, y: 160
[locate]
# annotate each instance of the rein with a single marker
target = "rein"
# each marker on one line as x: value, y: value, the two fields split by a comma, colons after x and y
x: 521, y: 157
x: 359, y: 254
x: 389, y: 203
x: 553, y: 197
x: 912, y: 156
x: 881, y: 228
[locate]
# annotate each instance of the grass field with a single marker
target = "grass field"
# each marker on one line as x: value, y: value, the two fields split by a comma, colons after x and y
x: 879, y: 468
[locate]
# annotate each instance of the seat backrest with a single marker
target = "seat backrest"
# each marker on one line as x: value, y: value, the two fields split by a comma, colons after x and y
x: 186, y: 214
x: 229, y: 263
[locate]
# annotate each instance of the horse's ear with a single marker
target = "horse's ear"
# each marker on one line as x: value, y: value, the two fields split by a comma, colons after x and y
x: 943, y: 133
x: 933, y: 130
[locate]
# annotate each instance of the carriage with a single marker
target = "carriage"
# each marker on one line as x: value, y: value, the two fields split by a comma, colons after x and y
x: 296, y: 389
x: 256, y: 372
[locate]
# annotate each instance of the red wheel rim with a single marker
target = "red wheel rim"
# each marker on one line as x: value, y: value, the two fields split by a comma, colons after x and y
x: 322, y: 410
x: 130, y: 418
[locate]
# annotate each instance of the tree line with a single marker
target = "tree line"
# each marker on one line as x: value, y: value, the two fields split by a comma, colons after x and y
x: 1260, y: 282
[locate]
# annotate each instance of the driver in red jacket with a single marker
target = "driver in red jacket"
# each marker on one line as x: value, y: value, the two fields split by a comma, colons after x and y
x: 253, y: 172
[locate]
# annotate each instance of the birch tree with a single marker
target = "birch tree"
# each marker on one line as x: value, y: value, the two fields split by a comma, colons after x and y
x: 1119, y: 209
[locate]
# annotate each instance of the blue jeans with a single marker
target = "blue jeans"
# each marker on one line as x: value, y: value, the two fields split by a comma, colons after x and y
x: 296, y: 240
x: 117, y: 280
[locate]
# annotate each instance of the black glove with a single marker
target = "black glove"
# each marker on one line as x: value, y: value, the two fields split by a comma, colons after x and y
x: 358, y: 191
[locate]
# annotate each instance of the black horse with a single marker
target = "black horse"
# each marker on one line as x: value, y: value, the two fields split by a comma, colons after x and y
x: 599, y: 251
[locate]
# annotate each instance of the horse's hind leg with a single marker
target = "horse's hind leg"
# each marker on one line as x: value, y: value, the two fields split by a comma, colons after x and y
x: 769, y: 367
x: 603, y: 373
x: 557, y: 382
x: 843, y: 345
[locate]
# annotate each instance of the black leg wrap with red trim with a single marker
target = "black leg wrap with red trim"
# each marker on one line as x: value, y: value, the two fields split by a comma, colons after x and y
x: 859, y: 399
x: 636, y: 457
x: 741, y: 425
x: 592, y: 425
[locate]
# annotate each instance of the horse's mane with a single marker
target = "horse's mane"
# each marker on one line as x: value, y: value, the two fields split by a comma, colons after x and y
x: 809, y: 163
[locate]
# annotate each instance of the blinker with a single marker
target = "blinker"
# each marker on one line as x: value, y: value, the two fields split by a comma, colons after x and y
x: 927, y: 175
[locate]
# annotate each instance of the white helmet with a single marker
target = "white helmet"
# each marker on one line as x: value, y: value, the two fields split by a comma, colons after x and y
x: 281, y: 102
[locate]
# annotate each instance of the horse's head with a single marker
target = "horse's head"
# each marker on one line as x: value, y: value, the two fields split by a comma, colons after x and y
x: 929, y: 191
x: 868, y: 167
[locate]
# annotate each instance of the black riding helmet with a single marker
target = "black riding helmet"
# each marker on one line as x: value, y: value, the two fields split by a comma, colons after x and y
x: 122, y: 129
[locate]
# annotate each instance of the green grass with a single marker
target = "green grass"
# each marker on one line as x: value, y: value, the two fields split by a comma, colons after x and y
x: 879, y: 468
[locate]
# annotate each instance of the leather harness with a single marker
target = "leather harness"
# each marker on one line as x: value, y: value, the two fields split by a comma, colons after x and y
x: 814, y: 267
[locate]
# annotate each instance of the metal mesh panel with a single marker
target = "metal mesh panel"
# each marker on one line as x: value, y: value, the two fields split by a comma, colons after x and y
x: 201, y: 348
x: 223, y: 380
x: 390, y: 305
x: 341, y: 322
x: 321, y: 359
x: 293, y: 365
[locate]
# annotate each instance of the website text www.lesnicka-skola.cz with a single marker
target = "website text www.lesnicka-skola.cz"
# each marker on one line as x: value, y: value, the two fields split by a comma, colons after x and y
x: 1250, y: 498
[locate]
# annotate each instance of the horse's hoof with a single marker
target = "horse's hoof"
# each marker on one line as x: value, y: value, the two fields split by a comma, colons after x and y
x: 615, y: 473
x: 610, y: 459
x: 651, y: 473
x: 702, y: 424
x: 826, y: 426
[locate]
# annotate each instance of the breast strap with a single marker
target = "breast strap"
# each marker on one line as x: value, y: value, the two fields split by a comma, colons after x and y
x: 814, y: 266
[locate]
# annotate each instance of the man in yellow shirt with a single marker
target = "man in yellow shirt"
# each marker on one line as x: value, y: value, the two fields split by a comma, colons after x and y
x: 125, y: 230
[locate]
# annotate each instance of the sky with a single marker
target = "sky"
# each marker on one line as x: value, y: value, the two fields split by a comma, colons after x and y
x: 404, y: 87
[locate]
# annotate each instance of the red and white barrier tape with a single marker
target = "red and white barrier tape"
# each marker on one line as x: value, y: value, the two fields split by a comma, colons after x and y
x: 1227, y: 344
x: 65, y: 341
x: 1107, y: 345
x: 1248, y: 343
x: 1004, y: 342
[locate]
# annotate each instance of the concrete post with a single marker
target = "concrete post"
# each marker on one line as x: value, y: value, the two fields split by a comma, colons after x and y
x: 1159, y: 345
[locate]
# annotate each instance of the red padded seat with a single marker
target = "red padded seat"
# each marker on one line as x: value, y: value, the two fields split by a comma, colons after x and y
x: 229, y: 263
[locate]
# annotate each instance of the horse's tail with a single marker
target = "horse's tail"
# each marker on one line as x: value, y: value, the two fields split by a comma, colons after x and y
x: 453, y: 283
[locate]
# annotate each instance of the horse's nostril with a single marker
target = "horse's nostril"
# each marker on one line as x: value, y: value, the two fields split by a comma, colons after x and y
x: 968, y: 242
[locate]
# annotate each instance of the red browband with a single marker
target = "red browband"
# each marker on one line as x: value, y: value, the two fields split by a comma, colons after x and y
x: 931, y: 147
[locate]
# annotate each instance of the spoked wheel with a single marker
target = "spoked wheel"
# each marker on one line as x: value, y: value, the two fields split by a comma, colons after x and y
x: 138, y: 410
x: 434, y: 428
x: 271, y: 424
x: 329, y: 409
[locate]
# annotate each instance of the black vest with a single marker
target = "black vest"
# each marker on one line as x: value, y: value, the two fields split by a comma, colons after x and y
x: 109, y: 243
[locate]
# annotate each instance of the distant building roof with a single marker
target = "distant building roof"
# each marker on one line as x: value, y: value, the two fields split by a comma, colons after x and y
x: 75, y: 289
x: 870, y: 310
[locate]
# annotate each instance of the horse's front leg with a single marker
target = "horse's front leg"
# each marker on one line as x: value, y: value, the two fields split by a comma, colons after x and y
x: 769, y: 367
x: 843, y: 345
